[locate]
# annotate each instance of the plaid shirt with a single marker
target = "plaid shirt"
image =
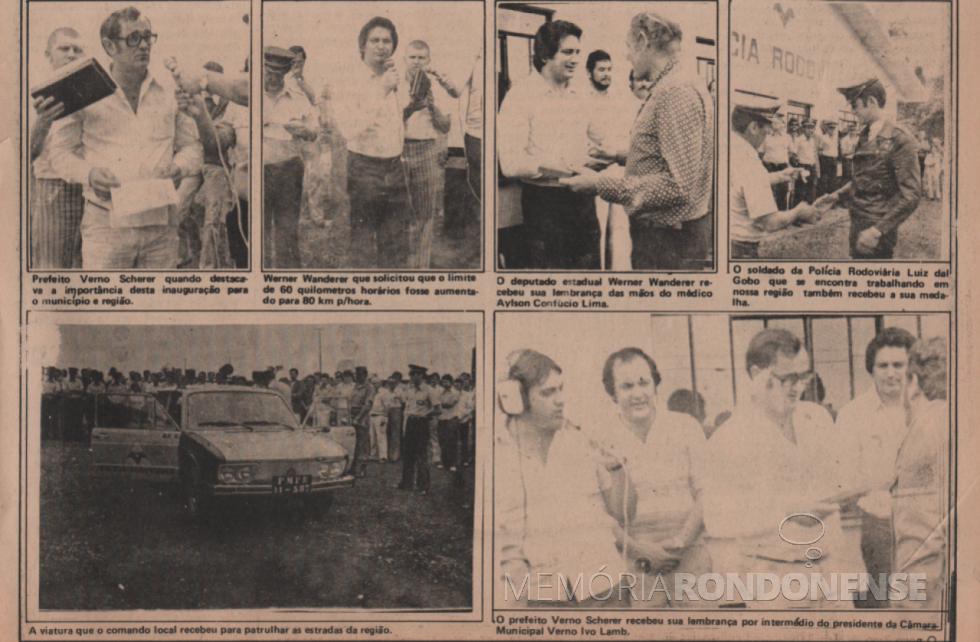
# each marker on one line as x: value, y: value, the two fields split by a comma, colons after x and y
x: 669, y: 165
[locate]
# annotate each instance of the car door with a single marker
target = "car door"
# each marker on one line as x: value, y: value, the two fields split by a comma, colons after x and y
x: 331, y: 415
x: 134, y: 435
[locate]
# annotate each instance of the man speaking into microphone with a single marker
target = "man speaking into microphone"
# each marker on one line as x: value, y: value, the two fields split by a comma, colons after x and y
x: 372, y: 118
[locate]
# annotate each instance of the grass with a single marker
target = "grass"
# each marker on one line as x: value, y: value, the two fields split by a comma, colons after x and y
x: 919, y: 237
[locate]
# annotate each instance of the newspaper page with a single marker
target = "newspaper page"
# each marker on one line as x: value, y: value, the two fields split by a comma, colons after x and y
x: 471, y: 319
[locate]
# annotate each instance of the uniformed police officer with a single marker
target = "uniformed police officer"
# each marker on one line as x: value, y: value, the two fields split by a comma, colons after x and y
x: 885, y: 183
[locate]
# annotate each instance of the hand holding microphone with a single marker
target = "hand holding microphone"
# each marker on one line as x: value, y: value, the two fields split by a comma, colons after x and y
x: 389, y: 81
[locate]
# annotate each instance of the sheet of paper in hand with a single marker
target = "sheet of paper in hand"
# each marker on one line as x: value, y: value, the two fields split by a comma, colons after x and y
x: 142, y: 203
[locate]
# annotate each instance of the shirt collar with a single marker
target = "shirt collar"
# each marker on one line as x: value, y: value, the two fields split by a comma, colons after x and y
x: 550, y: 87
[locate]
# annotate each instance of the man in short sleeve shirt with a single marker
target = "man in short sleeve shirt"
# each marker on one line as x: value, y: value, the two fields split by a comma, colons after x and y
x: 753, y: 214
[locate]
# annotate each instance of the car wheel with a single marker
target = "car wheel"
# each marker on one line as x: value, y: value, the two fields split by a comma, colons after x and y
x: 196, y: 501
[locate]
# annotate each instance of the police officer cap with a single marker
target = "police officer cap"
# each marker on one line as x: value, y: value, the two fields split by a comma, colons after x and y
x: 856, y: 91
x: 72, y: 370
x: 277, y: 59
x: 417, y: 369
x: 768, y: 112
x: 809, y: 122
x: 360, y: 370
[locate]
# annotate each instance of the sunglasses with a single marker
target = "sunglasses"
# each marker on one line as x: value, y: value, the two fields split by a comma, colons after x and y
x: 134, y: 38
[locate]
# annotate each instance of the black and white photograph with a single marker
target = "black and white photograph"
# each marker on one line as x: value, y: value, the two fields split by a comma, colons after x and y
x: 606, y: 136
x: 840, y: 119
x: 138, y: 141
x: 326, y: 465
x: 372, y: 135
x: 646, y: 460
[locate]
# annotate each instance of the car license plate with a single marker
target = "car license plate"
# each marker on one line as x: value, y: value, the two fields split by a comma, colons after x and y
x: 292, y: 484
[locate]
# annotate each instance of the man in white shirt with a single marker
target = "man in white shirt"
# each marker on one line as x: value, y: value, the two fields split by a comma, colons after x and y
x: 806, y: 157
x: 775, y: 158
x: 288, y: 120
x: 136, y: 134
x: 56, y: 205
x: 828, y: 151
x: 471, y: 105
x: 874, y: 425
x: 372, y: 116
x: 662, y: 453
x: 542, y: 133
x: 753, y: 213
x: 773, y: 477
x: 551, y: 512
x: 424, y: 124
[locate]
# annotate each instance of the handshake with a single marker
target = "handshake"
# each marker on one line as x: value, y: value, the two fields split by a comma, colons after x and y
x: 807, y: 213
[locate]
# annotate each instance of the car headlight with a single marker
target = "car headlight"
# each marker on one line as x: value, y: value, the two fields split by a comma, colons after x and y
x: 236, y: 474
x: 330, y: 470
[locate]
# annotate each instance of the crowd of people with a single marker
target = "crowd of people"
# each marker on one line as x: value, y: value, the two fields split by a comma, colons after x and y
x: 873, y: 165
x: 593, y: 163
x: 382, y: 134
x: 191, y: 129
x: 651, y: 494
x: 428, y: 418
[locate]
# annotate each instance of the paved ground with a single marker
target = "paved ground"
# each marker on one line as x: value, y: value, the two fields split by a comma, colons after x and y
x: 113, y: 544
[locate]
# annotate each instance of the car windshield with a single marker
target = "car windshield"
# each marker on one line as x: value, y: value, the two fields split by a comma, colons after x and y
x: 238, y: 410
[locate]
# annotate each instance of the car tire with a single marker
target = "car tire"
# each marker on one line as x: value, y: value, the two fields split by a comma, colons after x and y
x: 197, y: 503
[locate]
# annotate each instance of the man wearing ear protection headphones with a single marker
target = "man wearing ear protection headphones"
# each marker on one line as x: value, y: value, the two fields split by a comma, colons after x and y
x: 662, y: 453
x: 550, y: 510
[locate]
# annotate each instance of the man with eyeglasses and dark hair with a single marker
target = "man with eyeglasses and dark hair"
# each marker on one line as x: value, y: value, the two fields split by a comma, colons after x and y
x: 137, y: 134
x: 772, y: 476
x: 886, y: 183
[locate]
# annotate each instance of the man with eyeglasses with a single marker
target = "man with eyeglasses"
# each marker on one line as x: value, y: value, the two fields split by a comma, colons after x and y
x: 772, y: 477
x: 886, y: 183
x: 56, y: 205
x: 753, y: 212
x: 137, y: 134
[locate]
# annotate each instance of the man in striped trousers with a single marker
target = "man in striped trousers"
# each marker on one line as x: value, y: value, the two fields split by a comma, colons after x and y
x: 56, y: 205
x: 424, y: 123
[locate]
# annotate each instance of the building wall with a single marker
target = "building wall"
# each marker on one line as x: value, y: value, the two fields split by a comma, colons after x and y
x: 802, y: 53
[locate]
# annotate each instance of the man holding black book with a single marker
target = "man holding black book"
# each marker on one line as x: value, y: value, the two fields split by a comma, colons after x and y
x: 136, y: 135
x: 56, y: 205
